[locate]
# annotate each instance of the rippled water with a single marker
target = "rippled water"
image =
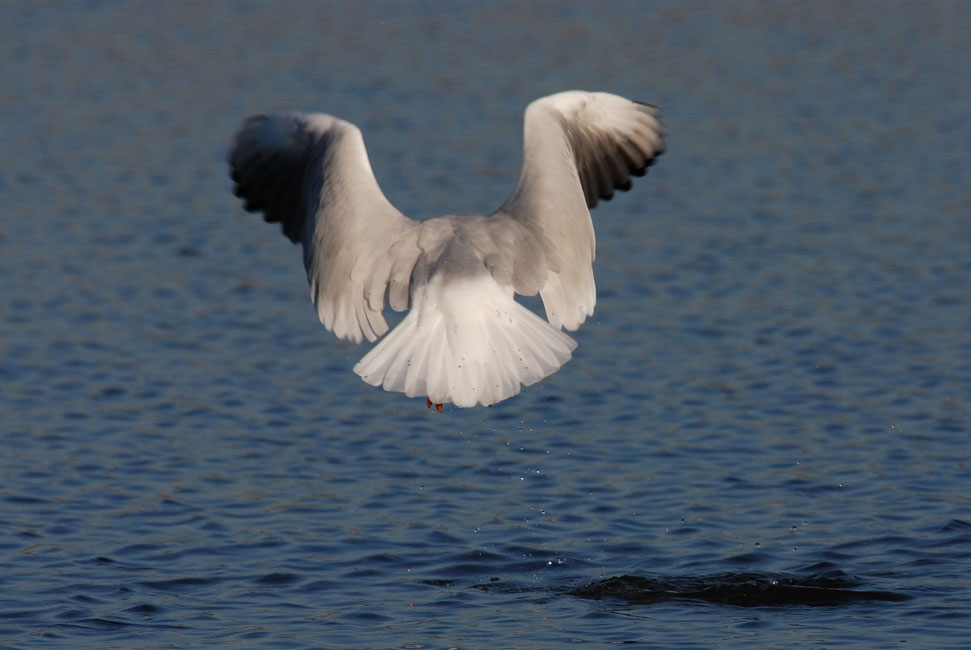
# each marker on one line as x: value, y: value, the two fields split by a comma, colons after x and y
x: 762, y: 440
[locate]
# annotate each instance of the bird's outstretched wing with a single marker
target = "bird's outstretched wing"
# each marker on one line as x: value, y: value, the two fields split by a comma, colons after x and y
x: 311, y: 173
x: 578, y: 147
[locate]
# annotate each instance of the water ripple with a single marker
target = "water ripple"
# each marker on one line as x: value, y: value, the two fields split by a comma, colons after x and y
x: 762, y: 440
x: 742, y: 590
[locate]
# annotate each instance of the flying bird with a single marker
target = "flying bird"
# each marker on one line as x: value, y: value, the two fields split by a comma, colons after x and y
x: 465, y: 339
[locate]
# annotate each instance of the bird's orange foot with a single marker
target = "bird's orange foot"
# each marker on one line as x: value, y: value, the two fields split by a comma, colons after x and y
x: 438, y: 407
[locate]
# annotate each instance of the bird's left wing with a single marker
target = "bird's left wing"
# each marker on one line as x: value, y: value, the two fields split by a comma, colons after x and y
x: 578, y: 147
x: 311, y: 173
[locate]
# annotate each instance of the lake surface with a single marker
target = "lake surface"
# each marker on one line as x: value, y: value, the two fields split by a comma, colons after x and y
x: 762, y: 439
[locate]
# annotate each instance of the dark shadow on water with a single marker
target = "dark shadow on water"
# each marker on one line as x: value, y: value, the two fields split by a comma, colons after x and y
x: 739, y: 589
x: 825, y: 589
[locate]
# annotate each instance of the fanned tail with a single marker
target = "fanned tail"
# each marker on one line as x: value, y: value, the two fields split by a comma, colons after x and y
x: 467, y: 342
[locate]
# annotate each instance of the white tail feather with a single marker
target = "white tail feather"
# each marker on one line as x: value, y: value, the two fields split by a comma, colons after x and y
x: 467, y: 342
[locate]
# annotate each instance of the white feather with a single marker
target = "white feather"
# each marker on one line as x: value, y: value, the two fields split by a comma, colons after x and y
x: 467, y: 342
x: 465, y: 339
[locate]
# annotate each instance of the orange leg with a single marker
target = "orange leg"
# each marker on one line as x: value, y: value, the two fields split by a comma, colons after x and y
x: 438, y: 407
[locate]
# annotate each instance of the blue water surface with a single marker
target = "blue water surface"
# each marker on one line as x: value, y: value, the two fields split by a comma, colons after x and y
x: 763, y: 437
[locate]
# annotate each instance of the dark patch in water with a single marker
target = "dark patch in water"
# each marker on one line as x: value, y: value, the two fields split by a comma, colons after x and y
x: 178, y: 584
x: 438, y: 583
x: 278, y: 579
x: 743, y: 590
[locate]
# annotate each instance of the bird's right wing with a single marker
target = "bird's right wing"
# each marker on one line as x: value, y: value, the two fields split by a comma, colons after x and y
x: 578, y: 148
x: 311, y: 173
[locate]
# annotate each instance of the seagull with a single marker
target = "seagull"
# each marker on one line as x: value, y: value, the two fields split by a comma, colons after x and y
x: 465, y: 339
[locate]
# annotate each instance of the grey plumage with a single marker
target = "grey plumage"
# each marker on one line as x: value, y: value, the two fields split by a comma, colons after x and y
x: 310, y: 173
